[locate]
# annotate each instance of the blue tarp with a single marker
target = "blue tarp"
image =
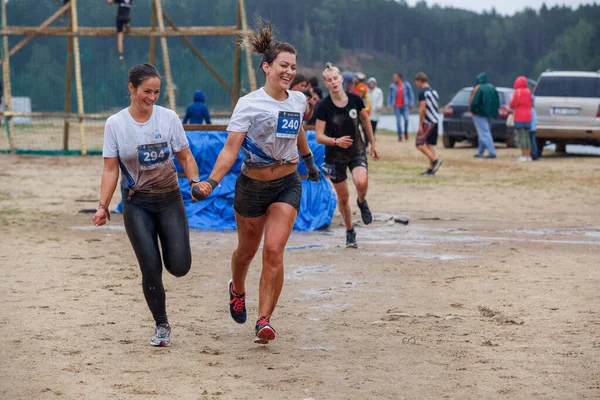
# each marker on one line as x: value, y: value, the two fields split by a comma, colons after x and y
x: 216, y: 212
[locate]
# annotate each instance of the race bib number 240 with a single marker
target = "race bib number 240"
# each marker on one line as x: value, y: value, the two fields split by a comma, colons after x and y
x: 288, y: 124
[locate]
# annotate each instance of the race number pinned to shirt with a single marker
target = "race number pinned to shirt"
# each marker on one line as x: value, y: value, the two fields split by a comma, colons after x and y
x: 153, y: 155
x: 288, y: 124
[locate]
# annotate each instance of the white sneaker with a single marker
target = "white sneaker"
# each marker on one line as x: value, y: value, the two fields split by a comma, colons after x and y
x: 529, y: 159
x: 521, y: 159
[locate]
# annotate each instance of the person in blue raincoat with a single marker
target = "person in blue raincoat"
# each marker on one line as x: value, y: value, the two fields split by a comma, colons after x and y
x: 197, y: 112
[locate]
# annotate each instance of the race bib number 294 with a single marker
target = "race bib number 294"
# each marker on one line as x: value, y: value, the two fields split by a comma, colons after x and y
x: 288, y: 124
x: 153, y: 155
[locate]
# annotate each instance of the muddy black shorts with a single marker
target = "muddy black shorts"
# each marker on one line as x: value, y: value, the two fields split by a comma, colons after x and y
x: 253, y: 197
x: 337, y: 171
x: 122, y: 20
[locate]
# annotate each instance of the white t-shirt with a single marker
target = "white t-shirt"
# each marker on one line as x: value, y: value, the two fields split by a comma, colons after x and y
x: 145, y: 150
x: 271, y: 127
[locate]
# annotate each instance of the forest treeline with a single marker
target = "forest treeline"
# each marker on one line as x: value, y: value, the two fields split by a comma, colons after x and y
x: 450, y: 45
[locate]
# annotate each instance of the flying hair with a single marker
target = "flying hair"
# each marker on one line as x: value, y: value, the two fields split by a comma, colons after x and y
x: 262, y: 41
x: 331, y: 68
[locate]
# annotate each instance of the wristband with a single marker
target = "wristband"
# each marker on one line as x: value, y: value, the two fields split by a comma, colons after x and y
x: 212, y: 183
x: 105, y: 209
x: 309, y: 155
x: 335, y: 141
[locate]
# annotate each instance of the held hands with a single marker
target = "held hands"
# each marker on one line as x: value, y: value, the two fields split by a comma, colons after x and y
x: 203, y: 189
x: 314, y: 174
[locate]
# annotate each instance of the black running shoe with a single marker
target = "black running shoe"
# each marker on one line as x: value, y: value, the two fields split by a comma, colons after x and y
x: 365, y: 213
x: 351, y: 239
x: 436, y: 165
x: 237, y: 305
x: 264, y: 331
x: 429, y: 172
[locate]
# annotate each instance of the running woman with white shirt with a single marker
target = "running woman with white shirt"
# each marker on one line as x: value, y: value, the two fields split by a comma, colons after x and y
x: 267, y: 125
x: 141, y: 141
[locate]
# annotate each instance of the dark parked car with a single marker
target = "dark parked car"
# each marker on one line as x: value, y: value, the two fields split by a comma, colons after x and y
x: 458, y: 120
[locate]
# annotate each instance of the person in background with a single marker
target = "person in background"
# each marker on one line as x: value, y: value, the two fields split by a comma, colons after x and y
x: 348, y: 81
x: 299, y: 84
x: 197, y: 112
x: 484, y: 105
x: 361, y: 90
x: 376, y: 96
x: 142, y: 141
x: 313, y: 82
x: 521, y: 104
x: 535, y: 152
x: 427, y: 134
x: 315, y: 100
x: 123, y: 20
x: 401, y: 98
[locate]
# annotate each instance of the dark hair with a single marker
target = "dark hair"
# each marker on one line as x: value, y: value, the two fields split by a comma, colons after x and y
x: 421, y: 77
x: 263, y: 42
x: 299, y: 78
x: 399, y: 75
x: 314, y: 82
x: 140, y: 73
x: 307, y: 93
x: 318, y: 91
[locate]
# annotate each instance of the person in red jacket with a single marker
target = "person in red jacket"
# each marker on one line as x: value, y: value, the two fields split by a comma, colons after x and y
x: 521, y: 104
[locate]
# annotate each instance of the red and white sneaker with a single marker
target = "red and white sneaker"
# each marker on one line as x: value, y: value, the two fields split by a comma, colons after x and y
x: 264, y: 331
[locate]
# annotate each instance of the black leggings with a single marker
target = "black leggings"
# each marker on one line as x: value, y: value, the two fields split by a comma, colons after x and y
x: 147, y: 218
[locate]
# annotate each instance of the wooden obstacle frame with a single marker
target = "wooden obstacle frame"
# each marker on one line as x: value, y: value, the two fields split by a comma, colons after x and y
x: 157, y: 29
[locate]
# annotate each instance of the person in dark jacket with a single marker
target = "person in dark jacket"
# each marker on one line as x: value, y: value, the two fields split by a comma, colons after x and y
x: 197, y: 112
x: 484, y: 105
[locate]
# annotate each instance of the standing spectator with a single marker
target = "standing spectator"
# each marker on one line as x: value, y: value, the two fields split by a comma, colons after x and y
x: 361, y: 90
x: 348, y: 81
x: 535, y: 152
x: 521, y: 103
x: 123, y: 20
x: 484, y: 105
x: 427, y: 134
x: 197, y: 112
x: 401, y: 97
x: 376, y: 96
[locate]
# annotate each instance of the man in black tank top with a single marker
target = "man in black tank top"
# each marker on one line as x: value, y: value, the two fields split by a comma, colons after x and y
x: 123, y: 19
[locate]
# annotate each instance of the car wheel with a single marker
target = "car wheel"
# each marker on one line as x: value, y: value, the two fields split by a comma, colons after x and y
x: 449, y: 141
x: 540, y: 146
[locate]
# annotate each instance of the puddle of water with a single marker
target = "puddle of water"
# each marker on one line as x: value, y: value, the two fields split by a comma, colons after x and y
x: 323, y: 348
x: 97, y: 228
x: 429, y: 256
x: 305, y: 247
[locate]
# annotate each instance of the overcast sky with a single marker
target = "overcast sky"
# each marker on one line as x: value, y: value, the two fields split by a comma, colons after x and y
x: 505, y: 7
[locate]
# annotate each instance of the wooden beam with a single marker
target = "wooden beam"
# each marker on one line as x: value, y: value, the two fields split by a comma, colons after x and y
x: 7, y: 85
x: 103, y: 31
x: 251, y: 76
x: 44, y: 24
x: 153, y: 38
x: 165, y: 53
x: 78, y: 83
x: 199, y: 56
x: 237, y: 60
x: 68, y: 79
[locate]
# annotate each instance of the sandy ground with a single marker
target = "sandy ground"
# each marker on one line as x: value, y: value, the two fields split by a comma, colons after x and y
x: 491, y: 291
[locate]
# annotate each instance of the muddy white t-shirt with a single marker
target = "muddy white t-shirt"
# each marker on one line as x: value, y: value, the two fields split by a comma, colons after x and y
x: 271, y: 127
x: 145, y: 150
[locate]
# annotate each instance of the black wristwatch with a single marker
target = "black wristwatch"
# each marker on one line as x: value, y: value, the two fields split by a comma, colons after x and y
x: 195, y: 180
